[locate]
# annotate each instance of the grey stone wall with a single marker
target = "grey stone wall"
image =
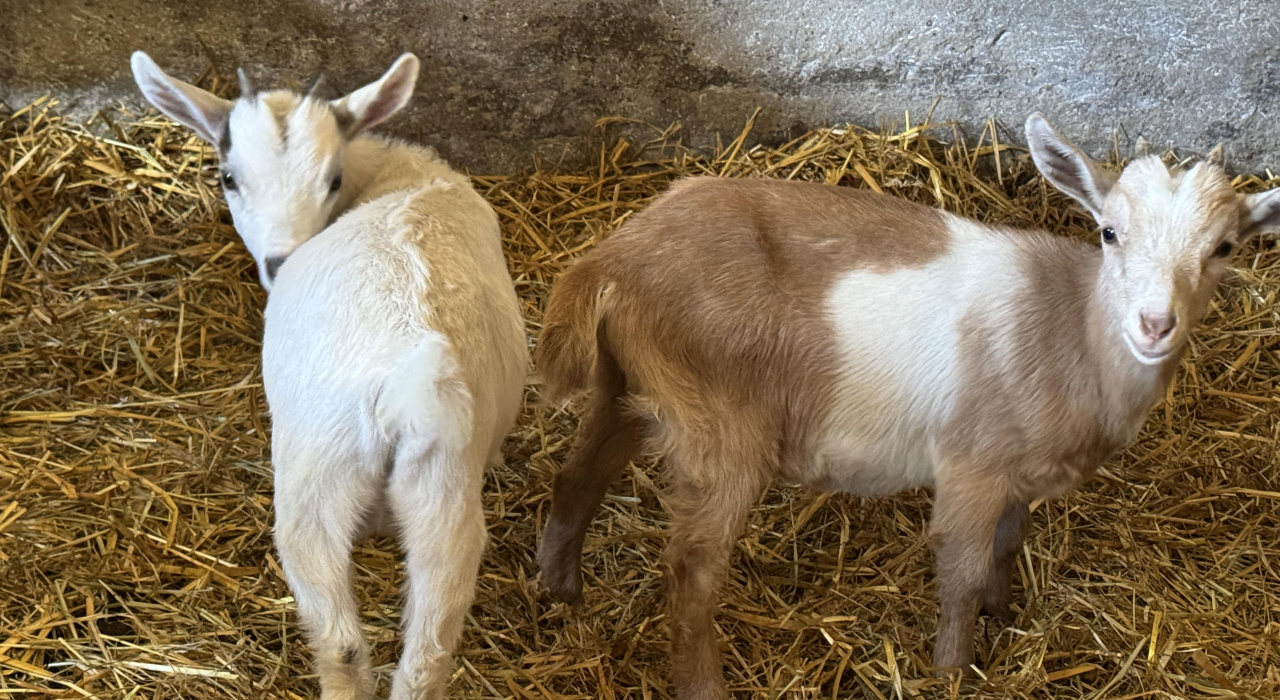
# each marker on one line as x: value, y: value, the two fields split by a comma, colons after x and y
x: 505, y: 79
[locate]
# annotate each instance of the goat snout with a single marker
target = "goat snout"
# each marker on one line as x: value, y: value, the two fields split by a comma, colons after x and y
x: 1157, y: 326
x: 272, y: 265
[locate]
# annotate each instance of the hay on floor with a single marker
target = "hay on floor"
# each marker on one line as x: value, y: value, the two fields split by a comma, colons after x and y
x: 135, y: 492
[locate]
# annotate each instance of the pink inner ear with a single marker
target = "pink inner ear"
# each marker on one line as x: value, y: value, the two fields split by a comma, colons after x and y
x: 1266, y: 212
x: 184, y: 107
x: 390, y: 97
x: 379, y: 109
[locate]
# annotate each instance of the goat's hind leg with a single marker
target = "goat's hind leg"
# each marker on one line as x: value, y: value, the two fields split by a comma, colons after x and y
x: 608, y: 438
x: 322, y: 498
x: 435, y: 495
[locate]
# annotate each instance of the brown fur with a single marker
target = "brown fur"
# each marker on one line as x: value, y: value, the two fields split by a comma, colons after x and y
x: 687, y: 248
x: 701, y: 326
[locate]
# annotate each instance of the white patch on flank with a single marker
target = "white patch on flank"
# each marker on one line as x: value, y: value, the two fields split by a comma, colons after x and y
x: 897, y: 336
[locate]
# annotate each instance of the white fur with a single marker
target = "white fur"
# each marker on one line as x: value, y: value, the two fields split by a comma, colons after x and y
x: 282, y: 195
x: 1162, y: 257
x: 899, y: 332
x: 898, y: 382
x: 1167, y: 226
x: 280, y: 152
x: 393, y: 358
x: 378, y: 402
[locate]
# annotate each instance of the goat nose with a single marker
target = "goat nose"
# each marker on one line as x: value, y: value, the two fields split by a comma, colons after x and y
x: 1157, y: 326
x: 273, y: 265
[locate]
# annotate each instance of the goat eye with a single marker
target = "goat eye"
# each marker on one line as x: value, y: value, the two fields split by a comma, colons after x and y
x: 1108, y: 235
x: 1223, y: 250
x: 336, y: 184
x: 228, y: 182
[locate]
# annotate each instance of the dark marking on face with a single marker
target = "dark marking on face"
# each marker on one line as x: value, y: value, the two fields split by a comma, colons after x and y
x: 281, y: 114
x: 282, y: 123
x: 345, y: 120
x: 349, y: 656
x: 224, y: 139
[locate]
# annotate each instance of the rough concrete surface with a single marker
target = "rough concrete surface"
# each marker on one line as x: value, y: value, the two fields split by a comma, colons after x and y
x: 503, y: 80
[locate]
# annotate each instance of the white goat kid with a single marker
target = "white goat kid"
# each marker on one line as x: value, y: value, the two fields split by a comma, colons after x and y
x: 394, y: 354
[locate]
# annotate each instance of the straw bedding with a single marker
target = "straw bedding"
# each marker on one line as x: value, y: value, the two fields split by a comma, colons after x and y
x: 135, y: 489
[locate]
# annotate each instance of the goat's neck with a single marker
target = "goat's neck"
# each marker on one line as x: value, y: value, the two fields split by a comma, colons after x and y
x: 373, y: 166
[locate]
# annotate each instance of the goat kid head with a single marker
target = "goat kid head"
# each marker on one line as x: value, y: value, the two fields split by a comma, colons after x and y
x: 280, y: 152
x: 1167, y: 234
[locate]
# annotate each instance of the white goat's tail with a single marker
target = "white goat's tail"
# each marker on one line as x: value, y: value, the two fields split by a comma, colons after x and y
x: 424, y: 397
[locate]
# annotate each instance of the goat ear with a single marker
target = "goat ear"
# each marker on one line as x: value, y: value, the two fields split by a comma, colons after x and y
x: 1260, y: 213
x: 1066, y: 167
x: 382, y: 98
x: 202, y: 111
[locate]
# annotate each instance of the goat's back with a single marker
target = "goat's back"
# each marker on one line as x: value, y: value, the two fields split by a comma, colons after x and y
x: 400, y: 294
x: 712, y: 300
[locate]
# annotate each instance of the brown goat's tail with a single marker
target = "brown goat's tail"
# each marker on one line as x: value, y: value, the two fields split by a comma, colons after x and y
x: 568, y: 345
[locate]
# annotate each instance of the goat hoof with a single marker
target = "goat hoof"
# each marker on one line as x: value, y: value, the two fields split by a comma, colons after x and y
x: 1000, y: 611
x: 568, y: 597
x: 946, y: 672
x: 559, y: 576
x: 562, y: 587
x: 565, y: 594
x: 949, y: 665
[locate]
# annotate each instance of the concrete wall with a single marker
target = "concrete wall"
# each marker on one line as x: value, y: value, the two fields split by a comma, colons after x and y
x: 503, y: 79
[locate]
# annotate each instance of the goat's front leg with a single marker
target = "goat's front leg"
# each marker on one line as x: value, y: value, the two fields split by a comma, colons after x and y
x: 706, y: 520
x: 964, y: 527
x: 1008, y: 540
x: 435, y: 494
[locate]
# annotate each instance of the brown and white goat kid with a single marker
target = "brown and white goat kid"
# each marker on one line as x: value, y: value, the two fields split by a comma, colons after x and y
x: 757, y: 329
x: 393, y: 355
